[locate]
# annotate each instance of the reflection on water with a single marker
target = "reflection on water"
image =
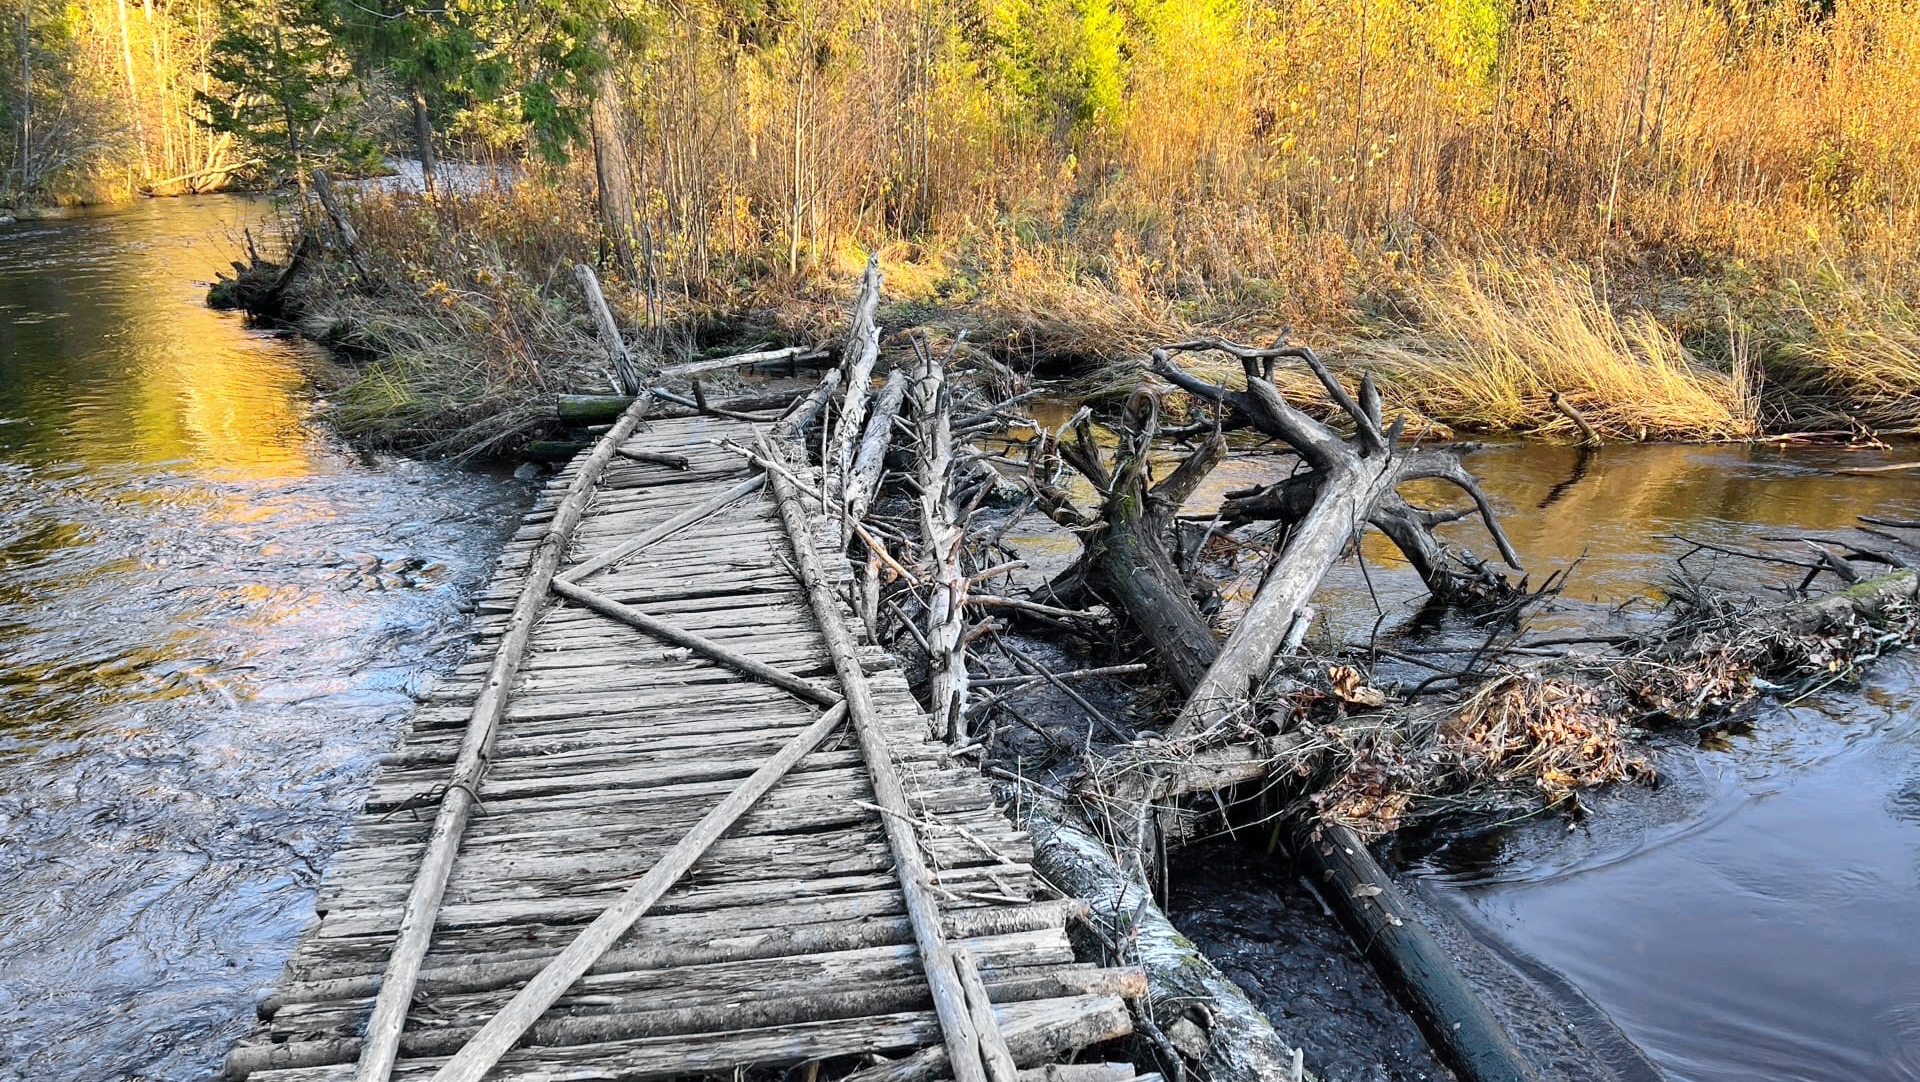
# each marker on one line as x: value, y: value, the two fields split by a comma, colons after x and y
x: 211, y: 620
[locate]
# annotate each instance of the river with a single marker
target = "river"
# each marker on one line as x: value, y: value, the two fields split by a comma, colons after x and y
x: 213, y: 618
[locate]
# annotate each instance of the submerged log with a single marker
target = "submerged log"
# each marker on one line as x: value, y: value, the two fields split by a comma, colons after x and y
x: 1457, y: 1021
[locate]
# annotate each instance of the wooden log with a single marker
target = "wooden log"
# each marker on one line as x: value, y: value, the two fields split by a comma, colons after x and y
x: 1040, y: 1026
x: 702, y: 943
x: 863, y: 479
x: 816, y: 999
x: 1861, y: 600
x: 1314, y: 547
x: 1241, y: 1043
x: 551, y: 450
x: 626, y: 372
x: 857, y: 358
x: 657, y: 458
x: 273, y: 300
x: 699, y: 644
x: 593, y: 409
x: 499, y: 1034
x: 803, y: 412
x: 961, y: 1035
x: 940, y: 542
x: 742, y: 360
x: 1463, y: 1030
x: 699, y: 405
x: 1350, y: 481
x: 1063, y: 1029
x: 460, y: 794
x: 590, y: 409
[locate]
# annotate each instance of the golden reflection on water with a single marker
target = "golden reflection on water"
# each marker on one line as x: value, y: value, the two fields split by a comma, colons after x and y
x: 119, y: 360
x: 1614, y: 515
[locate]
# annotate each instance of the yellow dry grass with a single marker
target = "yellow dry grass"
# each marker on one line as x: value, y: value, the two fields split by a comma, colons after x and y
x: 1494, y: 341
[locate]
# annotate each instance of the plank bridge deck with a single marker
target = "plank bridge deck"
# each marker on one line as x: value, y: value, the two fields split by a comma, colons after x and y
x: 788, y: 942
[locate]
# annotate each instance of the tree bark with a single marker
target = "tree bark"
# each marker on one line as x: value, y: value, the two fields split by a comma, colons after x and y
x: 423, y: 137
x: 1228, y: 1038
x: 612, y: 170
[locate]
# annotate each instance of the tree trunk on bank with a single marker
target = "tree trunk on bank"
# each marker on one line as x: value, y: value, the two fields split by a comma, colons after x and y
x: 612, y: 171
x: 423, y: 137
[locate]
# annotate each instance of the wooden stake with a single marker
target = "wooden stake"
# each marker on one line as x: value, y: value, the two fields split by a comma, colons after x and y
x: 624, y: 369
x: 350, y: 240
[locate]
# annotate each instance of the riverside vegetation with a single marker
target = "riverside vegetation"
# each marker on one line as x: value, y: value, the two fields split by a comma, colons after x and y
x: 1692, y: 220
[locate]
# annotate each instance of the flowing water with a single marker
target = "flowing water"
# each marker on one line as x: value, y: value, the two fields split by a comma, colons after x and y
x: 213, y: 618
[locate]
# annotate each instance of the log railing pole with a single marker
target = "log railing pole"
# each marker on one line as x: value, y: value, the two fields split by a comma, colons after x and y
x: 962, y: 1035
x: 461, y: 793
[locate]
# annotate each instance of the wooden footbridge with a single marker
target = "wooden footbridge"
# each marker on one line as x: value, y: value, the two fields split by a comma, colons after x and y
x: 674, y: 819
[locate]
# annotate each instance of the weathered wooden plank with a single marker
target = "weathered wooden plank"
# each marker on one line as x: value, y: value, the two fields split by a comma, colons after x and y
x: 1037, y: 1030
x: 769, y: 928
x: 688, y: 898
x: 790, y: 977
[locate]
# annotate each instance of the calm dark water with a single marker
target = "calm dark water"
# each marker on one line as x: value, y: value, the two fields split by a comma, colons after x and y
x: 212, y: 620
x: 1757, y: 916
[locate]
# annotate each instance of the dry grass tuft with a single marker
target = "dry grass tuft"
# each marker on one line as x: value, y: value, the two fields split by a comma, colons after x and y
x: 1490, y: 343
x: 1860, y: 344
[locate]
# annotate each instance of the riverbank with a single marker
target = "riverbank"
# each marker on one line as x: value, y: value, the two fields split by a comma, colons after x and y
x: 465, y: 322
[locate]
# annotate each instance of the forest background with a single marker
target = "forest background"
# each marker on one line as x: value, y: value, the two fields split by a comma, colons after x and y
x: 1692, y: 218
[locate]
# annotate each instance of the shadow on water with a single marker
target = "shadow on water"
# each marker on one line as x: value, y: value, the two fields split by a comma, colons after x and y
x: 212, y: 620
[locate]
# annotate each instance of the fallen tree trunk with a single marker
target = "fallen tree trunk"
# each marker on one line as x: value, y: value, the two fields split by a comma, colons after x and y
x: 940, y: 540
x: 1204, y: 1014
x: 863, y: 480
x: 1353, y: 482
x: 1127, y: 560
x: 1457, y: 1021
